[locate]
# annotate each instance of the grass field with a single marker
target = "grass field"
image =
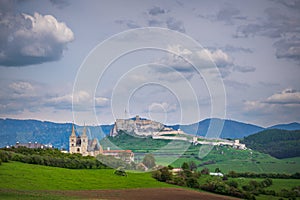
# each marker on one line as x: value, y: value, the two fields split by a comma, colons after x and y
x: 223, y: 157
x: 24, y: 181
x: 228, y: 159
x: 20, y: 176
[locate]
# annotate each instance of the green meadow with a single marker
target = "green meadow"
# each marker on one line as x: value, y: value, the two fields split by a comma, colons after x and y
x: 20, y: 176
x: 222, y: 157
x: 26, y: 181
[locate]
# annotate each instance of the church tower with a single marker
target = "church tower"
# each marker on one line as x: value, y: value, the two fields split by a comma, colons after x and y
x: 84, y: 143
x: 72, y: 141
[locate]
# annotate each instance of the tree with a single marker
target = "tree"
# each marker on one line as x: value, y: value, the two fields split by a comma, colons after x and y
x: 217, y: 170
x: 192, y: 165
x: 192, y: 182
x: 165, y: 174
x: 205, y: 171
x: 232, y: 183
x: 233, y: 174
x: 185, y: 166
x: 120, y: 172
x: 162, y: 174
x: 149, y: 161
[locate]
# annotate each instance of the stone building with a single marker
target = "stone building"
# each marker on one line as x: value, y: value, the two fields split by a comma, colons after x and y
x: 82, y: 144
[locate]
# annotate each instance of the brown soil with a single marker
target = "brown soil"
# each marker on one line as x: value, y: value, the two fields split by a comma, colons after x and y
x: 144, y: 194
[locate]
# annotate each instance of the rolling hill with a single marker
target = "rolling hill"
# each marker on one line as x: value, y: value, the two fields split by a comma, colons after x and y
x: 13, y: 130
x: 290, y: 126
x: 57, y: 134
x: 276, y: 142
x: 231, y: 129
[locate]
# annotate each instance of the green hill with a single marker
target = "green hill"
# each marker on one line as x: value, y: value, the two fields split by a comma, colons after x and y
x: 223, y: 157
x: 276, y: 142
x: 33, y: 181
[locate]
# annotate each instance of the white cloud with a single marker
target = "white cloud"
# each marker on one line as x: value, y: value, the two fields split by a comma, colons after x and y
x: 21, y: 87
x: 162, y: 107
x: 287, y: 96
x: 219, y: 57
x: 180, y: 61
x: 285, y: 103
x: 80, y: 99
x: 27, y: 40
x: 101, y: 101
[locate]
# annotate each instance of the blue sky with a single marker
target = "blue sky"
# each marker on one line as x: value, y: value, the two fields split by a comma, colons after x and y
x: 255, y: 46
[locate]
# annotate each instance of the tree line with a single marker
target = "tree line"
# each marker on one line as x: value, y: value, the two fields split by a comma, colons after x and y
x: 189, y: 177
x: 50, y: 157
x: 234, y: 174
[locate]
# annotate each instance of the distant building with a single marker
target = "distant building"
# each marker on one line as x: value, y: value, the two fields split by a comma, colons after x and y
x: 84, y: 146
x: 125, y: 155
x: 34, y: 145
x: 81, y: 144
x: 176, y: 170
x: 216, y: 174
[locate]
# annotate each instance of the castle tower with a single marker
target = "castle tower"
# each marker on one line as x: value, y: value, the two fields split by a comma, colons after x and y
x: 84, y: 142
x: 72, y: 141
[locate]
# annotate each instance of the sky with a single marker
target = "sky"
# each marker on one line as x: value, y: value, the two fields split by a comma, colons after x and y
x: 177, y: 62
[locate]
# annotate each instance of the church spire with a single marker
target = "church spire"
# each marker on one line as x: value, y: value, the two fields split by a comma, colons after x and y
x: 73, y: 131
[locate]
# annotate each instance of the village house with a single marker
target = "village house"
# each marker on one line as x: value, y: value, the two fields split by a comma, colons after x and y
x: 31, y: 145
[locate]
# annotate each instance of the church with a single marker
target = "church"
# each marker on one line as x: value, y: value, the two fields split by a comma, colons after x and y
x: 82, y: 144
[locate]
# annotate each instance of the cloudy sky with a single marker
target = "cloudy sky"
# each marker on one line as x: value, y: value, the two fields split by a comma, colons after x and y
x: 52, y: 53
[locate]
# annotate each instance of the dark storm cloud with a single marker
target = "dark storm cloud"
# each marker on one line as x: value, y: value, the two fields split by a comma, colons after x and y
x: 288, y: 48
x: 128, y: 23
x: 60, y: 3
x: 230, y: 48
x: 280, y: 25
x: 293, y: 4
x: 175, y: 24
x: 156, y: 11
x: 27, y: 40
x: 227, y: 14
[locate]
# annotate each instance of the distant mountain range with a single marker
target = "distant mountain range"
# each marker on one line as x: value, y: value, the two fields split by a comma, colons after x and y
x: 231, y: 129
x: 13, y: 130
x: 57, y: 134
x: 290, y: 127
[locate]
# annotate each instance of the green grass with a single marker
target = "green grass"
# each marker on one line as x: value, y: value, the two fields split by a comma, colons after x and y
x: 228, y: 159
x: 20, y: 176
x: 225, y: 158
x: 277, y: 186
x: 29, y: 195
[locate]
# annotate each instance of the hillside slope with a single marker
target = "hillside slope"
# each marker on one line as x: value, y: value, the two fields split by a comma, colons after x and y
x: 57, y: 134
x: 276, y: 142
x: 231, y: 129
x: 290, y: 126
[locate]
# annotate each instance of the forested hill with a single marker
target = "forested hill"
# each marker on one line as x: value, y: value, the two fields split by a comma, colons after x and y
x: 276, y: 142
x: 57, y: 134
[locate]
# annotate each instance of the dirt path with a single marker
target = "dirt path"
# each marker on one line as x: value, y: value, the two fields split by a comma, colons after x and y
x: 144, y: 194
